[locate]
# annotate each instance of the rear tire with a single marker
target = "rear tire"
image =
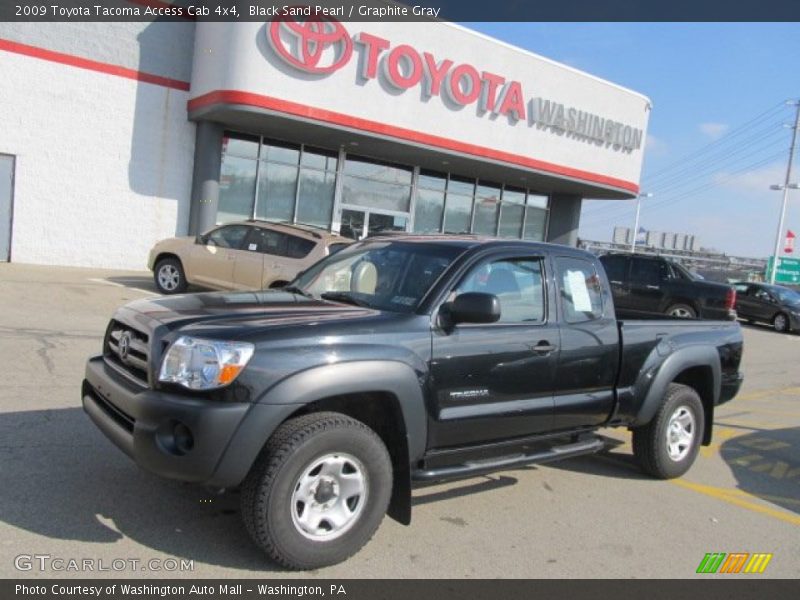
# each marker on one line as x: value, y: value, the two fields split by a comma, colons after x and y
x: 318, y: 491
x: 667, y: 446
x: 169, y: 276
x: 780, y: 323
x: 683, y: 311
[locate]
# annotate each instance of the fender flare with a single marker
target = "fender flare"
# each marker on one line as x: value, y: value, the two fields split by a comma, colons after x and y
x: 355, y: 377
x: 291, y: 394
x: 668, y: 371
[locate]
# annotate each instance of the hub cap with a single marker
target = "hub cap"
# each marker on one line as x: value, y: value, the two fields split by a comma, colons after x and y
x: 168, y: 277
x: 681, y: 312
x: 329, y: 496
x: 680, y: 433
x: 780, y: 322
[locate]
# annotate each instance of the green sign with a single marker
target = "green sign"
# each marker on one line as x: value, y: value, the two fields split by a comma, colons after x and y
x: 788, y: 270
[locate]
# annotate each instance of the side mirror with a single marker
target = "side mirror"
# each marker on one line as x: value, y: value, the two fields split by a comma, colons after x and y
x: 475, y: 307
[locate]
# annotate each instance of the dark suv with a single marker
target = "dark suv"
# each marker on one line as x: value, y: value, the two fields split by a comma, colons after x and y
x: 653, y: 284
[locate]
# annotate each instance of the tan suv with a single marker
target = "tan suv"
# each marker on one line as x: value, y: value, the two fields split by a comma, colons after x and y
x: 247, y: 255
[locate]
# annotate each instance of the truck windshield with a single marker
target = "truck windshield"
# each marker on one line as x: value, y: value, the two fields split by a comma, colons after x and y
x: 392, y: 276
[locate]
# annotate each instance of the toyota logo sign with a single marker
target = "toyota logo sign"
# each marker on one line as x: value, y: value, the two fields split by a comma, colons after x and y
x: 124, y: 346
x: 304, y: 44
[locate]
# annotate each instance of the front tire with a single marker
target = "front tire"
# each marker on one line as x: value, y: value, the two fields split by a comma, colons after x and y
x: 318, y: 491
x: 780, y: 323
x: 683, y: 311
x: 667, y: 446
x: 169, y: 276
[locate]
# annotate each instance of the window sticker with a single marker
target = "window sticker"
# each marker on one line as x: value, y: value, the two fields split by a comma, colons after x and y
x: 579, y: 291
x: 252, y: 246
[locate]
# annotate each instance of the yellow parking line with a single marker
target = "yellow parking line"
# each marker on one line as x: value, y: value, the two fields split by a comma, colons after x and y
x: 734, y: 497
x: 721, y: 435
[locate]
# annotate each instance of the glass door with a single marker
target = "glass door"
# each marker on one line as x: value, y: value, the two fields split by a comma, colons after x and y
x: 357, y: 224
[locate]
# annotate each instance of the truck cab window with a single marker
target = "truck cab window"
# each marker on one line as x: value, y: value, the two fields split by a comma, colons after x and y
x: 518, y: 285
x: 581, y: 290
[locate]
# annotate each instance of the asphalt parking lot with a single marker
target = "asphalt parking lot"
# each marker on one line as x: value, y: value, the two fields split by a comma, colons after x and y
x: 66, y: 492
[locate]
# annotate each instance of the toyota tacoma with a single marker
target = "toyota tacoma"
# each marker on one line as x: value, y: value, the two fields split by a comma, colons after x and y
x: 399, y: 360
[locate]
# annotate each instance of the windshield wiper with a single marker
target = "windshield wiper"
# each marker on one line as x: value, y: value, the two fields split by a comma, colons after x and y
x: 293, y: 289
x: 344, y: 297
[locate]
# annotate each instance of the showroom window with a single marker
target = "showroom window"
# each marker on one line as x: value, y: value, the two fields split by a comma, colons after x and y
x: 429, y: 206
x: 237, y: 182
x: 487, y: 207
x: 276, y: 181
x: 297, y: 183
x: 459, y: 205
x: 377, y: 185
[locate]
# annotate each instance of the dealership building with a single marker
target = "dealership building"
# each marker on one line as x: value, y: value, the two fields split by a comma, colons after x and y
x: 116, y: 135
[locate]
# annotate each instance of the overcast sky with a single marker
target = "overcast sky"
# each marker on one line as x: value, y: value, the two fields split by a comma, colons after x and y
x: 705, y: 81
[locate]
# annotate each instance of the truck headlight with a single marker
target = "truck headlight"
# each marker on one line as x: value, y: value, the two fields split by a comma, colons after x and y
x: 200, y: 364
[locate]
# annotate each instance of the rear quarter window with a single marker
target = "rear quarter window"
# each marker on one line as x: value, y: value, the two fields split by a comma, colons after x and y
x: 298, y: 247
x: 581, y: 292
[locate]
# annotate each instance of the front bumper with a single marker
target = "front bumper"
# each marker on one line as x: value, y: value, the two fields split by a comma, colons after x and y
x: 150, y: 426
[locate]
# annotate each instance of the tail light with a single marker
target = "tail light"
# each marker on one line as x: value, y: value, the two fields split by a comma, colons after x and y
x: 730, y: 299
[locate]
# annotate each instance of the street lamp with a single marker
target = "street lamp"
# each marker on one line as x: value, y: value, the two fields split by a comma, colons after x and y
x: 636, y: 221
x: 779, y: 236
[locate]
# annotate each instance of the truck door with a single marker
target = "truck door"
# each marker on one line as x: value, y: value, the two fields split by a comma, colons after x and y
x: 763, y: 305
x: 589, y: 358
x: 617, y: 269
x: 647, y: 284
x: 495, y: 381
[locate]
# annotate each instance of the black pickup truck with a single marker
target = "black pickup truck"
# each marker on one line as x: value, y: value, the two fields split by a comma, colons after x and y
x: 399, y: 360
x: 654, y: 284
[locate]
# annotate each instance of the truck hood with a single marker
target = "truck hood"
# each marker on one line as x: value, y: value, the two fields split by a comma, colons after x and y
x: 262, y: 307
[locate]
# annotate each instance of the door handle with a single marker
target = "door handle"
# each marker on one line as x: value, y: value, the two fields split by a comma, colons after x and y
x: 543, y: 347
x: 653, y: 287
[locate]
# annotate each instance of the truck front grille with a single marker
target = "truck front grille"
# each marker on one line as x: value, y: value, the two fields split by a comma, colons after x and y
x: 128, y: 351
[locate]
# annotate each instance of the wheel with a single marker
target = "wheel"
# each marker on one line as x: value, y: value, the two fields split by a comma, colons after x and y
x: 169, y: 276
x: 318, y: 491
x: 667, y: 446
x: 684, y: 311
x: 780, y: 323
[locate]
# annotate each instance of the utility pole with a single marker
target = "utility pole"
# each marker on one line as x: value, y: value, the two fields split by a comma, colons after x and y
x: 785, y: 188
x: 636, y: 222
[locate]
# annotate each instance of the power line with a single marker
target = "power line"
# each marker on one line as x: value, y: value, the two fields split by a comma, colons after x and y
x: 748, y: 144
x: 726, y: 178
x: 722, y: 140
x: 702, y: 171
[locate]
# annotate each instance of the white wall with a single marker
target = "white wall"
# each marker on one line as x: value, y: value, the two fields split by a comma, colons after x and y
x: 104, y: 163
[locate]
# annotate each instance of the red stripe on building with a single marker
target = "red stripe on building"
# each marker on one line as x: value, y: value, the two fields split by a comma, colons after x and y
x: 92, y: 65
x: 327, y: 116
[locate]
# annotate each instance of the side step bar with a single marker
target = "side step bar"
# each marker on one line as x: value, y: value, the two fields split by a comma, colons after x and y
x: 479, y: 467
